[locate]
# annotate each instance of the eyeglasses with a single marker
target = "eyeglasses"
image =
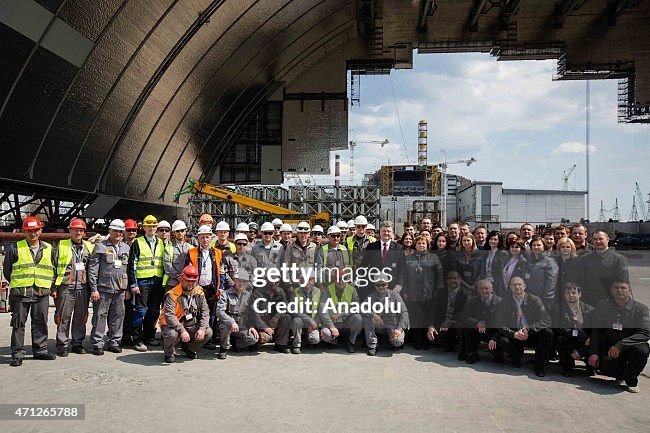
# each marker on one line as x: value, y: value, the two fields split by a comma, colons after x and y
x: 268, y: 233
x: 179, y: 231
x: 241, y: 244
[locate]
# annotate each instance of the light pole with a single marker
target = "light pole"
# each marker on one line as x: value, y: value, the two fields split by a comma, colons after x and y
x: 394, y: 200
x: 443, y: 180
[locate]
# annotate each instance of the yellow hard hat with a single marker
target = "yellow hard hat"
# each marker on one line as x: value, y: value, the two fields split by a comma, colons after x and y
x: 150, y: 221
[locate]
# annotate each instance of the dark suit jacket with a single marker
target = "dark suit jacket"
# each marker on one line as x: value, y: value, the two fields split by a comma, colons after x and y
x: 562, y: 319
x: 532, y: 307
x: 439, y: 305
x: 395, y: 261
x: 476, y: 311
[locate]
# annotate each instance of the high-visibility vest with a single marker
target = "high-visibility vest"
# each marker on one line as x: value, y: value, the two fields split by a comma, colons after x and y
x: 193, y: 254
x: 315, y: 299
x: 26, y: 273
x: 344, y: 254
x: 64, y: 257
x: 149, y: 265
x: 176, y: 293
x: 169, y: 250
x: 350, y: 241
x: 231, y: 246
x: 346, y: 297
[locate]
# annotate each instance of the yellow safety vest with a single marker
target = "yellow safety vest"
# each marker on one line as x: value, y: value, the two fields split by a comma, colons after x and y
x: 26, y: 273
x: 169, y: 250
x: 231, y: 246
x: 64, y: 257
x: 315, y: 299
x: 344, y: 254
x: 149, y: 265
x: 346, y: 298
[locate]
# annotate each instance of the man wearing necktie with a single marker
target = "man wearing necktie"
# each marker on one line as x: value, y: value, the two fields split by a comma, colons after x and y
x: 384, y: 254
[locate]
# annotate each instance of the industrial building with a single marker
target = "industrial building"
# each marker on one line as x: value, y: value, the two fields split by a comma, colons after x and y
x: 491, y: 205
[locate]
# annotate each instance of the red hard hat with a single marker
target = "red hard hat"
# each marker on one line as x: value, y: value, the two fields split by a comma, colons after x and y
x: 130, y: 225
x: 190, y: 273
x: 32, y: 223
x: 77, y: 223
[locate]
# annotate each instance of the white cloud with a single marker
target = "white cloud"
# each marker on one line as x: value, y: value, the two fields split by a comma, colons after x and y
x: 573, y: 147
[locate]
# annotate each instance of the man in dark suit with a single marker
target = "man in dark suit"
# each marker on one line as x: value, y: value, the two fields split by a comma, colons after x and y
x: 476, y: 322
x: 445, y: 312
x: 522, y: 321
x: 384, y: 254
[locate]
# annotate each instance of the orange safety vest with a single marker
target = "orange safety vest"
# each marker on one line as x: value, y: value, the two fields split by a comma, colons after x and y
x: 193, y: 254
x: 175, y: 293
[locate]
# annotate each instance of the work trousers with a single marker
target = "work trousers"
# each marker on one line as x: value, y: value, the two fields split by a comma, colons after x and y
x: 298, y: 327
x: 280, y: 332
x: 108, y: 310
x: 471, y: 338
x: 146, y: 309
x: 371, y: 331
x: 628, y: 366
x: 352, y: 325
x: 71, y: 311
x: 565, y: 346
x: 172, y: 337
x: 243, y: 337
x: 37, y: 310
x: 540, y: 340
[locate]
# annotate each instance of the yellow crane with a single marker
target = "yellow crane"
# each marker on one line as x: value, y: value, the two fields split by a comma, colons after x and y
x: 254, y: 206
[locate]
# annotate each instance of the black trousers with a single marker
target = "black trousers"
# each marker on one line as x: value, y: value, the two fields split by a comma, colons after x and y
x: 565, y: 346
x: 541, y: 341
x: 628, y: 366
x: 471, y: 338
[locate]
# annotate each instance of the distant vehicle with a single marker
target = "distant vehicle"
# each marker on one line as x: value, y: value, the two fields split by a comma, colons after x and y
x: 635, y: 241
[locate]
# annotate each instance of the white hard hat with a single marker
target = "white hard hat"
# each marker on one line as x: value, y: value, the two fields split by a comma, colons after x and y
x: 360, y: 221
x: 333, y: 230
x: 253, y: 226
x: 241, y: 237
x: 303, y: 226
x: 317, y: 228
x: 351, y: 224
x: 276, y: 222
x: 117, y: 224
x: 178, y: 225
x: 242, y: 227
x: 222, y: 225
x: 268, y: 227
x: 162, y: 224
x: 370, y: 227
x: 342, y: 225
x: 204, y: 230
x: 286, y: 228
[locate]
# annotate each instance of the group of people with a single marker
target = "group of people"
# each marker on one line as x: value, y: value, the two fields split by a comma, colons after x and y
x: 552, y: 292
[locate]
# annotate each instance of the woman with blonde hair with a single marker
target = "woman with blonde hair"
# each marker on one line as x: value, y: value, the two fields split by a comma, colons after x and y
x: 566, y: 262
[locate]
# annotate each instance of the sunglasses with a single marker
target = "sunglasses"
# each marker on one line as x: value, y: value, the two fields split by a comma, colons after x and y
x: 179, y: 231
x: 241, y: 244
x: 164, y: 230
x: 335, y: 236
x: 132, y: 230
x: 268, y: 233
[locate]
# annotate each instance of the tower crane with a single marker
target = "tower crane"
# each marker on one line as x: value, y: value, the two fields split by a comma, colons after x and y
x: 565, y: 176
x: 640, y: 203
x: 353, y: 144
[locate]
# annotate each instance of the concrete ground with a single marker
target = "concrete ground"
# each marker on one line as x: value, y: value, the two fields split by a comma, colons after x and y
x: 320, y: 391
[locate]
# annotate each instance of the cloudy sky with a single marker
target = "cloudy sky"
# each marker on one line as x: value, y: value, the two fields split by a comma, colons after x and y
x: 523, y: 128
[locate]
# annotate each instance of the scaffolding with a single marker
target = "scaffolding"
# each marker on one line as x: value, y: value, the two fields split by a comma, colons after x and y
x: 342, y: 203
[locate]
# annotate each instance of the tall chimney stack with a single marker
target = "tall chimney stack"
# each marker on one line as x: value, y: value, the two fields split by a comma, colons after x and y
x: 337, y: 170
x: 422, y: 142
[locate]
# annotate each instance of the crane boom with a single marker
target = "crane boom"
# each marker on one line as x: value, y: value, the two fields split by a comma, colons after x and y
x: 566, y: 174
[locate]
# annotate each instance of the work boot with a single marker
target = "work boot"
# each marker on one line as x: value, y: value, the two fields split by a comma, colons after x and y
x: 170, y: 359
x: 634, y: 389
x: 472, y: 358
x: 63, y: 352
x: 372, y: 352
x: 46, y: 356
x: 114, y: 349
x: 98, y: 351
x: 222, y: 354
x: 140, y: 347
x: 189, y: 353
x: 350, y: 347
x: 16, y: 362
x: 79, y: 350
x: 295, y: 350
x: 280, y: 348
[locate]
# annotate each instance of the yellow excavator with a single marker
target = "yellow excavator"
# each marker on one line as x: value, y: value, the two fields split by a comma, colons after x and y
x: 254, y: 206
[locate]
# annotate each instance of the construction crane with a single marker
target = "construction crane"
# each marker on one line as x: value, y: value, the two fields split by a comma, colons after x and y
x: 443, y: 181
x: 566, y: 174
x: 353, y: 144
x: 640, y: 202
x: 254, y: 206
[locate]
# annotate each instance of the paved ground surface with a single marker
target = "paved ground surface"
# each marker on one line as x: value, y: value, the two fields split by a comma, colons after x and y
x: 320, y: 391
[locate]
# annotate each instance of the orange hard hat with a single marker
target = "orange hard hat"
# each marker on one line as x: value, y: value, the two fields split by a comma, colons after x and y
x: 130, y: 225
x: 77, y: 223
x: 32, y: 223
x: 206, y: 218
x: 190, y: 273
